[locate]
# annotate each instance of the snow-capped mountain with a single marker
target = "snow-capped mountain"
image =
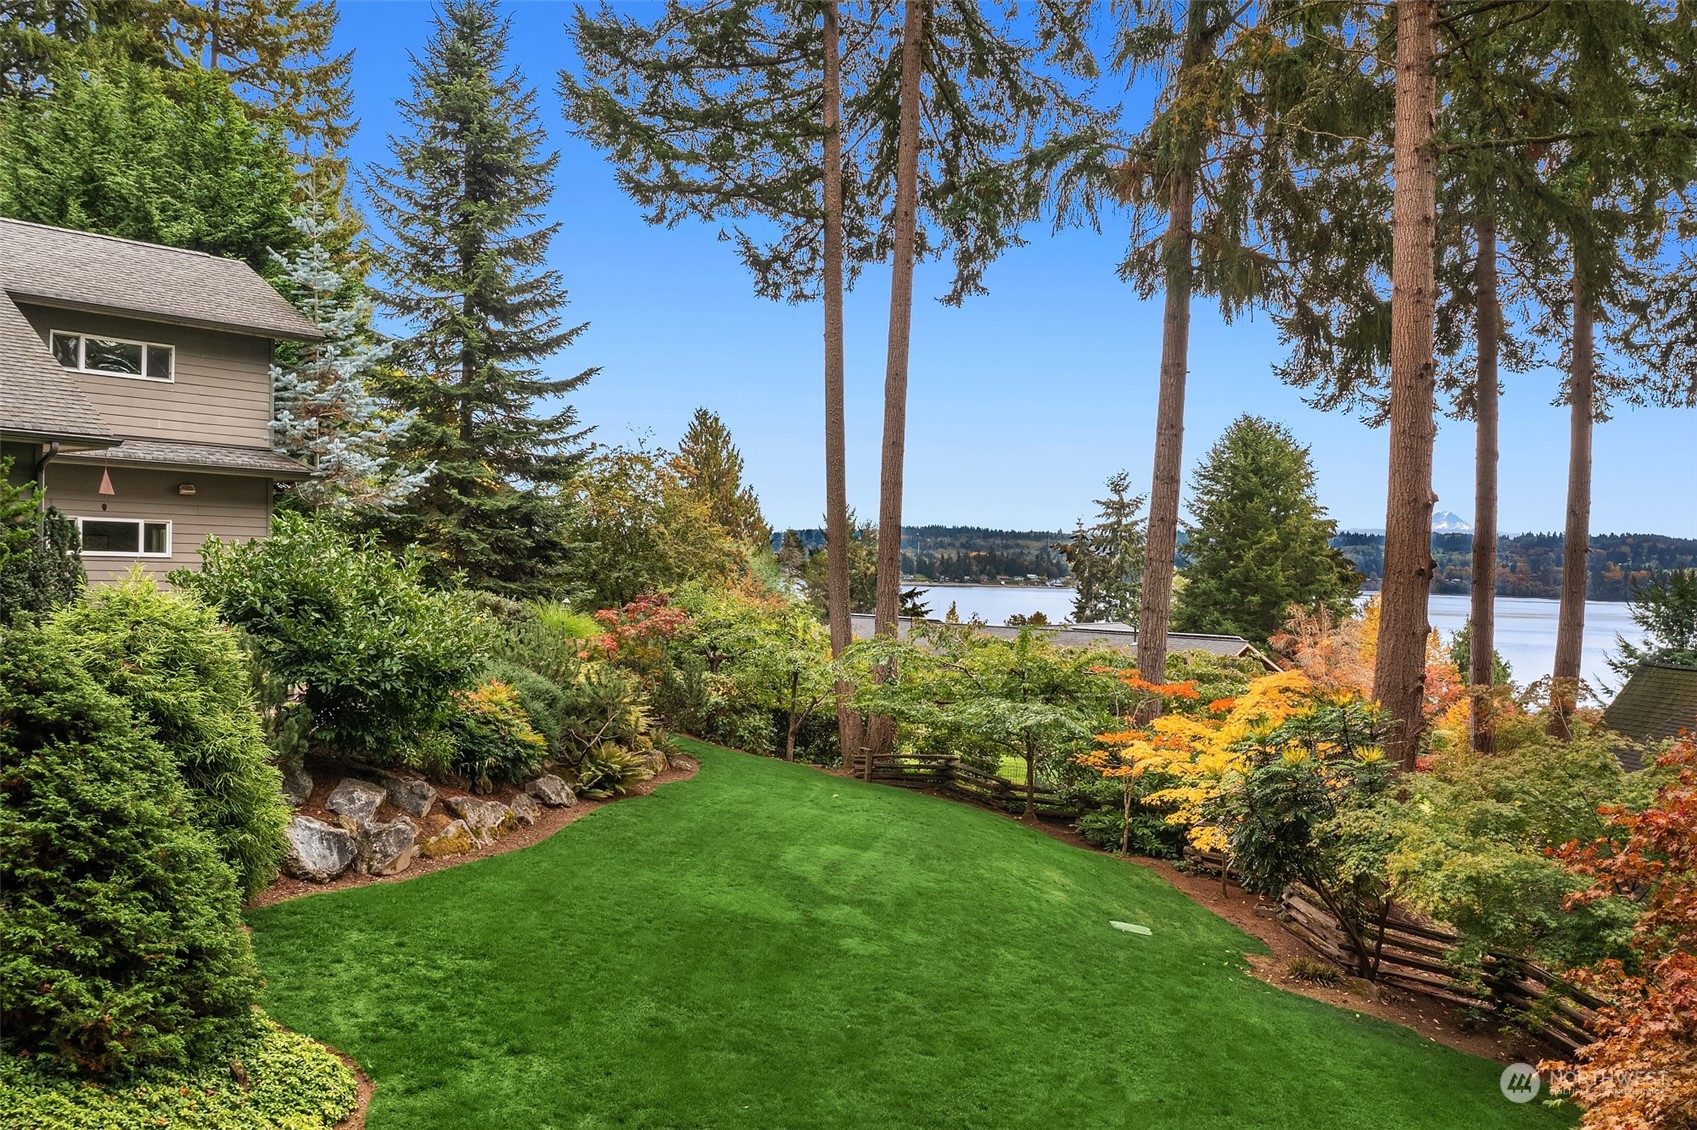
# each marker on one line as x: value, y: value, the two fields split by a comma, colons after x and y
x: 1447, y: 522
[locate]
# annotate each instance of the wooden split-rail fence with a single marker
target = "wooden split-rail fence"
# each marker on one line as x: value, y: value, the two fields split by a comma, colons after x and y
x: 949, y: 774
x: 1416, y: 955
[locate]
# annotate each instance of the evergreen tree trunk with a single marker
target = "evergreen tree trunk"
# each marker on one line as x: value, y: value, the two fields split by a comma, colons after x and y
x: 1399, y: 679
x: 896, y: 361
x: 1481, y: 624
x: 1154, y: 612
x: 838, y: 611
x: 1570, y: 622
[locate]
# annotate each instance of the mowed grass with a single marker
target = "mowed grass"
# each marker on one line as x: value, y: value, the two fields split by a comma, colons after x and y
x: 768, y: 946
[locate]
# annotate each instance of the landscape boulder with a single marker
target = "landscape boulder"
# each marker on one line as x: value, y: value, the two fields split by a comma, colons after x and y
x: 524, y: 809
x: 316, y: 851
x: 455, y: 839
x: 355, y: 799
x: 487, y: 819
x: 414, y: 797
x: 297, y: 786
x: 551, y: 791
x: 388, y: 848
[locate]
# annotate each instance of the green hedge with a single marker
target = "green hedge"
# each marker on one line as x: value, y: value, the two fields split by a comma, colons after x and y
x: 292, y: 1084
x: 184, y: 675
x: 378, y: 653
x: 121, y: 945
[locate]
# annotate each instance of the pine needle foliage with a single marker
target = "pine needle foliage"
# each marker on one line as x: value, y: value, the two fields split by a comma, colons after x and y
x: 123, y: 946
x: 166, y: 654
x: 462, y: 201
x: 328, y: 414
x: 1259, y: 540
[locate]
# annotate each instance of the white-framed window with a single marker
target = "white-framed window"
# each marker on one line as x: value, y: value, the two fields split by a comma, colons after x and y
x: 115, y: 356
x: 124, y: 537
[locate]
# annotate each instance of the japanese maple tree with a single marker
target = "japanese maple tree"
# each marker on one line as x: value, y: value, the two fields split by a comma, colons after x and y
x: 1642, y: 1071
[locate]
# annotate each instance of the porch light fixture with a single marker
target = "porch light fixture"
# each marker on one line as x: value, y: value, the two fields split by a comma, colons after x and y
x: 186, y: 489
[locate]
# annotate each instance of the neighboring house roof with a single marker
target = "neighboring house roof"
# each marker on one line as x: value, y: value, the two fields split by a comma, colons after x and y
x: 1657, y: 703
x: 82, y: 271
x: 39, y: 402
x: 167, y: 453
x: 1121, y: 637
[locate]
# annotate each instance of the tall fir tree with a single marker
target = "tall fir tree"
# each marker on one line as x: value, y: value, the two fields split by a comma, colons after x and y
x: 1106, y: 557
x: 1188, y: 179
x: 710, y: 466
x: 327, y: 413
x: 790, y: 115
x: 462, y: 202
x: 163, y: 157
x: 276, y: 55
x: 1259, y: 540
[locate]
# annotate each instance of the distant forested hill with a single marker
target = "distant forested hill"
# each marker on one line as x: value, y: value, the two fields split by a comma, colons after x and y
x: 973, y: 553
x: 1530, y: 564
x: 968, y: 553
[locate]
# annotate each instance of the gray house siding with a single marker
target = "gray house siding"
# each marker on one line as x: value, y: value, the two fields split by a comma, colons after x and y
x: 221, y: 392
x: 232, y: 507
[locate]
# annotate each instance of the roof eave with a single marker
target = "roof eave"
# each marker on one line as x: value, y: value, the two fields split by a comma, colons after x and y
x: 69, y: 442
x: 304, y: 332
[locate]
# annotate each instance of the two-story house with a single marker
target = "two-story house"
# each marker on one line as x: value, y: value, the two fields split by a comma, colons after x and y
x: 135, y: 387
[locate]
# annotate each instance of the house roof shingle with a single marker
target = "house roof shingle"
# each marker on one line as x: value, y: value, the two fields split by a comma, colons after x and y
x: 1119, y: 636
x: 79, y: 270
x: 166, y: 453
x: 38, y: 400
x: 1657, y: 703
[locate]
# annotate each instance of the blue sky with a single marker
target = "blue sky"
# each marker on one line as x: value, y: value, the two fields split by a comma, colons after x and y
x: 1021, y: 402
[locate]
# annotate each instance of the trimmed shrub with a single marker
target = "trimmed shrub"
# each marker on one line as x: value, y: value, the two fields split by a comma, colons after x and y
x: 289, y: 1083
x: 543, y: 701
x: 376, y: 652
x: 493, y: 740
x: 550, y: 639
x: 37, y: 574
x: 603, y: 703
x: 121, y: 944
x: 184, y: 675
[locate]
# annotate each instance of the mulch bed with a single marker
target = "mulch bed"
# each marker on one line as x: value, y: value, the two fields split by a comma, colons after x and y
x: 549, y: 821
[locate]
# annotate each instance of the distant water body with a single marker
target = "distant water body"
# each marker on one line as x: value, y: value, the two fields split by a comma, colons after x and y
x: 1526, y: 628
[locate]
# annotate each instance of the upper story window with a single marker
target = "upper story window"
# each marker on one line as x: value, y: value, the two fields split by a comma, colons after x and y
x: 113, y: 356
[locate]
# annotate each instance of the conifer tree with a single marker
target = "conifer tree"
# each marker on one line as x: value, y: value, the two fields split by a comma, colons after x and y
x: 781, y: 122
x: 1189, y: 180
x: 275, y: 54
x: 327, y: 414
x: 1625, y: 150
x: 132, y: 152
x: 462, y: 202
x: 1106, y: 557
x: 710, y: 466
x: 1259, y: 540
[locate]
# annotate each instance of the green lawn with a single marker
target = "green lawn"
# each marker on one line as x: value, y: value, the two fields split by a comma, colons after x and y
x: 767, y: 946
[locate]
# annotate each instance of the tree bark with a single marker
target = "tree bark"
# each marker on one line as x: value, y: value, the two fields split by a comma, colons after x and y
x: 838, y: 613
x: 1481, y: 624
x: 896, y: 360
x: 1154, y: 613
x: 1030, y: 780
x: 792, y: 722
x: 1399, y: 680
x: 1570, y: 620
